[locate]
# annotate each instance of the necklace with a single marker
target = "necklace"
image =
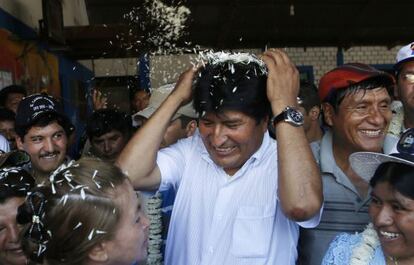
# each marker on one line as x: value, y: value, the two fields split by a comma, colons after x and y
x: 395, y: 260
x: 365, y: 251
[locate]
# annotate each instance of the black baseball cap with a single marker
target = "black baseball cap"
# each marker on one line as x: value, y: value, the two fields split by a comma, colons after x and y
x: 32, y: 107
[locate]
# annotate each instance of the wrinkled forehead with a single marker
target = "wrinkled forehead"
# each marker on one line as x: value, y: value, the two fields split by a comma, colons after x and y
x: 376, y: 94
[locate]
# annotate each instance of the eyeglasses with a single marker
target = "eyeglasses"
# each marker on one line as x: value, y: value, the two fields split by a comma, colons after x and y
x: 408, y: 77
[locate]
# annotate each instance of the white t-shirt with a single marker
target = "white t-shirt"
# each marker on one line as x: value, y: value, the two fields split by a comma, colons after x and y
x: 218, y: 219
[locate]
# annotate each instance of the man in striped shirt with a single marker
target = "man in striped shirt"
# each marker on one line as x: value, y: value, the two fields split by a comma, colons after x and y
x: 356, y: 102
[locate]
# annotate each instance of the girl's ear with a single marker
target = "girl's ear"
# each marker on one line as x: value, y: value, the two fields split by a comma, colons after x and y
x: 99, y: 253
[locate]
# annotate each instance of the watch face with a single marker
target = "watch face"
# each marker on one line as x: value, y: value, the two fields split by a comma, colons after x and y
x: 296, y: 116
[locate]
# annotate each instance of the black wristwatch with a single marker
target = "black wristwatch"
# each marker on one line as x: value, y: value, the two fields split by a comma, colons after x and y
x: 289, y: 115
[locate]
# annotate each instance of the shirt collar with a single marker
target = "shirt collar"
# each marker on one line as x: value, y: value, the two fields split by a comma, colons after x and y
x: 327, y: 159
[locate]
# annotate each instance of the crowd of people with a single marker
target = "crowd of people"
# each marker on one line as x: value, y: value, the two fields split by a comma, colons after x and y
x: 253, y: 167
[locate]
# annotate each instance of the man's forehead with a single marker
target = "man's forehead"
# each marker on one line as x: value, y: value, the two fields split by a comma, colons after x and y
x: 51, y: 128
x: 109, y: 134
x: 379, y: 93
x: 225, y: 115
x: 407, y: 67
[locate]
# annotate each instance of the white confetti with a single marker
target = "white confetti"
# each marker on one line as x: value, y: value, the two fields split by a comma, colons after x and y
x: 90, y: 236
x: 77, y: 226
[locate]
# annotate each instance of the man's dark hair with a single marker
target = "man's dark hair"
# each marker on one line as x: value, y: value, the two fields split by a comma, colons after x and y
x: 133, y: 91
x: 106, y: 120
x: 337, y: 96
x: 308, y: 95
x: 399, y: 175
x: 185, y: 120
x: 4, y: 93
x: 44, y: 120
x: 7, y: 115
x: 232, y: 86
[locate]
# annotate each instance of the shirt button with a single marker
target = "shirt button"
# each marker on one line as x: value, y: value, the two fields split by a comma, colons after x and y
x: 210, y: 249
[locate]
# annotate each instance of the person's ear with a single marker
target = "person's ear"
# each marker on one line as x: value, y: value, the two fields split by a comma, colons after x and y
x: 314, y: 113
x: 19, y: 143
x: 328, y: 113
x: 190, y: 128
x: 99, y: 253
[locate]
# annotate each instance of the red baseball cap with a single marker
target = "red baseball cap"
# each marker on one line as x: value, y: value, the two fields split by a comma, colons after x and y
x: 346, y: 75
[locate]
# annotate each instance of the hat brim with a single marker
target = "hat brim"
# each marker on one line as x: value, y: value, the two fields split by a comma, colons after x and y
x: 366, y: 163
x: 397, y: 66
x: 14, y: 159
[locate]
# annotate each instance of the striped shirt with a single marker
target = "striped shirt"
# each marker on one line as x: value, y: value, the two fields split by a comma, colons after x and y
x: 344, y: 210
x: 218, y: 219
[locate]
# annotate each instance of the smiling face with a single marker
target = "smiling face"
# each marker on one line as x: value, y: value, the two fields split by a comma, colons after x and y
x: 393, y: 217
x: 11, y: 252
x: 46, y: 147
x: 231, y: 138
x: 361, y: 120
x: 130, y: 242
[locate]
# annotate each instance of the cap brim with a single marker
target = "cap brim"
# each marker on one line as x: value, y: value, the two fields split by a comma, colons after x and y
x: 397, y: 66
x: 14, y: 159
x: 366, y: 163
x: 147, y: 112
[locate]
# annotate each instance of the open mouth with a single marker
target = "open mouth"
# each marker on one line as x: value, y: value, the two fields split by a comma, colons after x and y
x: 389, y: 235
x: 222, y: 151
x: 371, y: 133
x: 49, y: 156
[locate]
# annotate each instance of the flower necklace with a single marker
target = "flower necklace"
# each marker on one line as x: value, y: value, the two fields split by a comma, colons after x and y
x: 365, y: 251
x: 395, y: 260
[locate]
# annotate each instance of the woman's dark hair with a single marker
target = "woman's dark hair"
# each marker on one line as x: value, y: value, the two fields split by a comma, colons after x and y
x: 14, y: 182
x: 337, y: 95
x: 232, y: 86
x: 400, y: 176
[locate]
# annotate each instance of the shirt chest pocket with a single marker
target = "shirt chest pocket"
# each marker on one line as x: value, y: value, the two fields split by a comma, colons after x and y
x: 252, y: 231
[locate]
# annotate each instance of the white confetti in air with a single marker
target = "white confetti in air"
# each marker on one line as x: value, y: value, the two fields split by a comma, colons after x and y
x: 99, y: 232
x: 215, y: 58
x: 90, y: 236
x: 82, y: 193
x: 64, y: 199
x: 77, y: 226
x: 234, y: 89
x: 97, y: 184
x: 154, y: 26
x: 94, y: 174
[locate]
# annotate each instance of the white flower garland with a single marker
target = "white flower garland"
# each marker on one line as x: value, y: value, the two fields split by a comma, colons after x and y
x: 396, y: 125
x: 365, y: 251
